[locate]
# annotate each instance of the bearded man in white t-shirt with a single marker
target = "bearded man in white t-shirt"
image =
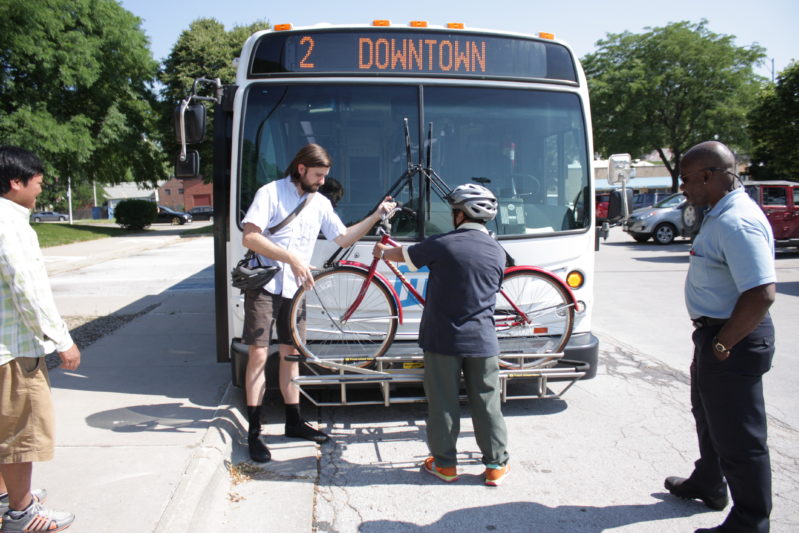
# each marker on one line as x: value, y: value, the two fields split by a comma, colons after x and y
x: 290, y: 248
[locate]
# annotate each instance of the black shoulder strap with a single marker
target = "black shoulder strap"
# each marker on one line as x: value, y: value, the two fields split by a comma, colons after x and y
x: 291, y: 216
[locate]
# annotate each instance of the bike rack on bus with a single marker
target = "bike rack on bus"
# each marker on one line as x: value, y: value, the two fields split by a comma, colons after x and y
x: 382, y: 385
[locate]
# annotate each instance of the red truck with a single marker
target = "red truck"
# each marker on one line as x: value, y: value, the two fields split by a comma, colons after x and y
x: 779, y: 200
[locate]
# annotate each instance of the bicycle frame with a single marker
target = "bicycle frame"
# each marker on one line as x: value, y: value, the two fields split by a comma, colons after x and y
x: 501, y: 323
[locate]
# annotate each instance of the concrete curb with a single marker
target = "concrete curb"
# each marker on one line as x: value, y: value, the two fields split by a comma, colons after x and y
x: 205, y: 481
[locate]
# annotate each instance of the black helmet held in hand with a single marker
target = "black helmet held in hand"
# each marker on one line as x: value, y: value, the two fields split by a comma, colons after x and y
x: 245, y: 277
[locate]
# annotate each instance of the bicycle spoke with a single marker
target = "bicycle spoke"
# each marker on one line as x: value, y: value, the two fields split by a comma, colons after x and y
x: 367, y: 332
x: 545, y: 322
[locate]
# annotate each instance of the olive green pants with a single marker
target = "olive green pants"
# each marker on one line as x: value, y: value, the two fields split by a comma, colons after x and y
x: 442, y: 386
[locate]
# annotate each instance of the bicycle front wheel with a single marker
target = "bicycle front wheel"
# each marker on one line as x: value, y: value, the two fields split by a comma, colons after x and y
x: 534, y: 315
x: 319, y: 327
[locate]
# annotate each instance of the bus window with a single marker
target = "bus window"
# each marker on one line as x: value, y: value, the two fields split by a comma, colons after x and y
x: 528, y: 147
x: 360, y: 126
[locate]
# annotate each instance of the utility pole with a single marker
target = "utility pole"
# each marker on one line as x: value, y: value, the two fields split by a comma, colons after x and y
x: 69, y: 198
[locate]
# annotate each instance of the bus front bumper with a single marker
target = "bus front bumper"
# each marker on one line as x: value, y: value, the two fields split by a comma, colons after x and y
x: 584, y: 347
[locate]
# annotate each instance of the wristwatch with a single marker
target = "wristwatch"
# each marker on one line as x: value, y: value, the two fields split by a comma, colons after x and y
x: 719, y: 347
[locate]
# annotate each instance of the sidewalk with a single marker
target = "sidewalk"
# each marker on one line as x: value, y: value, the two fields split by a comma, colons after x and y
x: 149, y: 423
x: 74, y: 256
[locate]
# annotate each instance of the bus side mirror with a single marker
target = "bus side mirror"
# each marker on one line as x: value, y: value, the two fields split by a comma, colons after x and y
x: 190, y: 167
x: 619, y: 166
x: 616, y: 205
x: 189, y: 123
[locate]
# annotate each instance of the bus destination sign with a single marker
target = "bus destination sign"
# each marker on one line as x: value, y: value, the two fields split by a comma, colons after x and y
x: 410, y: 53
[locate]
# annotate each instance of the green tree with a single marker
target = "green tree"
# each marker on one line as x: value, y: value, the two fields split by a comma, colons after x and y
x: 54, y: 194
x: 75, y: 87
x: 205, y: 50
x: 670, y: 88
x: 774, y: 128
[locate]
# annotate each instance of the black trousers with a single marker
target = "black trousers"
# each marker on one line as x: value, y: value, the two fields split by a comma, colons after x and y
x: 730, y: 413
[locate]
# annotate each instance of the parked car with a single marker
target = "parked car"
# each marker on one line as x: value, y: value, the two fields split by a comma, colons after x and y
x: 645, y: 199
x: 202, y: 212
x: 48, y: 216
x: 662, y: 221
x: 779, y: 200
x: 166, y: 214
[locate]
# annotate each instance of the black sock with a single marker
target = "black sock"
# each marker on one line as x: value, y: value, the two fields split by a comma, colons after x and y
x: 254, y: 419
x: 293, y: 417
x: 18, y: 514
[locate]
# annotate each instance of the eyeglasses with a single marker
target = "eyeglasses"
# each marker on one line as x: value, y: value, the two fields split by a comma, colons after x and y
x: 712, y: 169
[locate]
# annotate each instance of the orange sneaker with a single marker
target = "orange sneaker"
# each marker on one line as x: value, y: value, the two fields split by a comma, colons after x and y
x: 448, y: 474
x: 496, y: 474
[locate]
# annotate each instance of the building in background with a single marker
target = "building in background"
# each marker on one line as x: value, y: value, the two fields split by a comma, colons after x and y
x: 125, y: 191
x: 184, y: 194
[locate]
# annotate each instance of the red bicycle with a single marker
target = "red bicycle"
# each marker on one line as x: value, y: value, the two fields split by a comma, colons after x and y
x: 350, y: 317
x: 352, y: 313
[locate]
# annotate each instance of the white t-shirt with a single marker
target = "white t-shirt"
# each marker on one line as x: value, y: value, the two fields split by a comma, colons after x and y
x: 272, y: 204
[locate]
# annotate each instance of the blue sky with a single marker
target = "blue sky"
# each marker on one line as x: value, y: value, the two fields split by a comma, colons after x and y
x: 770, y: 23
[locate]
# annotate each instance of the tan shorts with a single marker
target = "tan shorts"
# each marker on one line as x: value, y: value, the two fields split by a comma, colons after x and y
x: 26, y: 412
x: 261, y: 311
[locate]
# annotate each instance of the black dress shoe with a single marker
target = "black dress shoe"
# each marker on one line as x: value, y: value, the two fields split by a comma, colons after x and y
x: 305, y: 431
x: 717, y: 529
x: 258, y: 450
x: 682, y: 488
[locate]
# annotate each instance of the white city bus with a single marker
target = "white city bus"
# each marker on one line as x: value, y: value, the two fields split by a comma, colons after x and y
x: 508, y: 111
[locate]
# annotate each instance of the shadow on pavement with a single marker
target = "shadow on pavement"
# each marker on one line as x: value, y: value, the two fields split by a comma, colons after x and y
x: 671, y: 259
x: 790, y: 288
x: 162, y: 345
x: 529, y: 516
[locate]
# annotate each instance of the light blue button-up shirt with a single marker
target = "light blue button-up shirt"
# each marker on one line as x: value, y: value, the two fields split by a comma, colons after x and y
x: 733, y: 252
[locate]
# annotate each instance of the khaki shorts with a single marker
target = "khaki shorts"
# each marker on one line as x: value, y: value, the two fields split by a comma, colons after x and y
x: 260, y: 310
x: 26, y: 412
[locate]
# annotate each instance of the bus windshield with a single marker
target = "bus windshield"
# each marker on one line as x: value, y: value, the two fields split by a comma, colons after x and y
x: 528, y: 146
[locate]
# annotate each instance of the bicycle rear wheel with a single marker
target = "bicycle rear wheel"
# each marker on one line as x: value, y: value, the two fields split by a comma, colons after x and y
x: 319, y: 329
x: 548, y: 307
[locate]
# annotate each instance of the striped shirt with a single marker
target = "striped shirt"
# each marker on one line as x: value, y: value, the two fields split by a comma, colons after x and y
x: 30, y: 325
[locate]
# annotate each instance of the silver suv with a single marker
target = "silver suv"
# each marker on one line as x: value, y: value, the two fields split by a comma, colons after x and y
x: 662, y: 221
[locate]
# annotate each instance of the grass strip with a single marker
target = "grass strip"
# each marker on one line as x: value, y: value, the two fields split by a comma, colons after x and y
x: 58, y: 234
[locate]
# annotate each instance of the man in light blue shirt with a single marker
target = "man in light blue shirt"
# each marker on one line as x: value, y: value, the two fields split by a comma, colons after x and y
x: 728, y: 290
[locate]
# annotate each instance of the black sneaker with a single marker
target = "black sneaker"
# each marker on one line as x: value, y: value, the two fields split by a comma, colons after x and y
x: 683, y: 488
x: 303, y: 430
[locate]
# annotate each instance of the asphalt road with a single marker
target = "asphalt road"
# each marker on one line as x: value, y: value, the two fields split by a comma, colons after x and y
x: 640, y: 303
